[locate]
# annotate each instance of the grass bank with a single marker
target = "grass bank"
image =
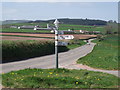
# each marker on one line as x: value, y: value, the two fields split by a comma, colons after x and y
x: 105, y: 54
x: 75, y: 43
x: 58, y: 78
x: 20, y: 50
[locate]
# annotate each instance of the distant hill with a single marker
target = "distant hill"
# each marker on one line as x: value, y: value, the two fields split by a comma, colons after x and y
x: 75, y: 21
x: 14, y: 21
x: 63, y: 21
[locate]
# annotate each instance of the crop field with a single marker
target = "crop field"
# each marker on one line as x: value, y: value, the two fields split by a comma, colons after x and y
x: 20, y: 24
x: 58, y: 78
x: 24, y: 30
x: 105, y: 54
x: 30, y: 35
x: 82, y: 27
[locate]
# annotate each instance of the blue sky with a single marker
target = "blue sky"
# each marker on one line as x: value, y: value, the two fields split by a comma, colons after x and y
x: 44, y: 10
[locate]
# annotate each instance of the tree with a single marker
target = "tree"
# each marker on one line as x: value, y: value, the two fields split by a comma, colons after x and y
x: 108, y: 29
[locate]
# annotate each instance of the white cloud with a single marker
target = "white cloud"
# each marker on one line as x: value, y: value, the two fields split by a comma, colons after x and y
x: 60, y: 1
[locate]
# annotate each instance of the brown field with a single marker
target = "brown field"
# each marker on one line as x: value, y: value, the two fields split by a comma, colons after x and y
x: 76, y: 36
x: 24, y: 34
x: 22, y: 38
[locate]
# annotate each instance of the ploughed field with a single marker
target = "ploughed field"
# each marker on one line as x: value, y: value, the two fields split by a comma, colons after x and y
x: 22, y: 38
x: 19, y: 36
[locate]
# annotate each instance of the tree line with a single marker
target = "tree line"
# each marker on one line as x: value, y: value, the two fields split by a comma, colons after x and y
x: 74, y: 21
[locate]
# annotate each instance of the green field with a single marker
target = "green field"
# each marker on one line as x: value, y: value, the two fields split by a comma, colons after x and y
x: 61, y: 27
x: 58, y: 78
x: 105, y: 54
x: 75, y: 43
x: 110, y: 27
x: 82, y: 27
x: 24, y: 30
x: 32, y: 24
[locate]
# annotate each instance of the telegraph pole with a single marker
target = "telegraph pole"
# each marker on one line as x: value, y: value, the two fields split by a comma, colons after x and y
x: 56, y: 41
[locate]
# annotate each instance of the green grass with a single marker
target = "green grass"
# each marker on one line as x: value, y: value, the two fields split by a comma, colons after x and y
x: 105, y: 54
x: 58, y: 78
x: 82, y: 27
x: 24, y: 30
x: 75, y: 43
x: 32, y: 24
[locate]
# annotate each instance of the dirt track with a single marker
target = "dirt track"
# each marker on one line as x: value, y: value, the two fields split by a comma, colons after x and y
x: 76, y: 36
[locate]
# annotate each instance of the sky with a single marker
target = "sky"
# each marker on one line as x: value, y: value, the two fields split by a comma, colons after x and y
x: 52, y: 10
x: 59, y: 0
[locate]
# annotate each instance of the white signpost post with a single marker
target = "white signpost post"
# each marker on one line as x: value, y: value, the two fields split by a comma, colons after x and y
x: 56, y: 41
x: 59, y: 36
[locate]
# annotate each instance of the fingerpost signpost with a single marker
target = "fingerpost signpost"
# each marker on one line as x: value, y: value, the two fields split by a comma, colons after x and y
x: 59, y: 36
x: 56, y: 41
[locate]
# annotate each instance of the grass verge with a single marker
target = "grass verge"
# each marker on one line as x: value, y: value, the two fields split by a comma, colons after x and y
x: 75, y: 43
x: 58, y: 78
x: 105, y: 54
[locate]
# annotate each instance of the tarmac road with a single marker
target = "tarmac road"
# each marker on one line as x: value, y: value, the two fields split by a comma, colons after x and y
x: 66, y: 60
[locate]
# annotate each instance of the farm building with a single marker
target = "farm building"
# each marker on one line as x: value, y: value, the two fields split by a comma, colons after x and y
x: 13, y: 26
x: 26, y: 27
x: 87, y: 32
x: 48, y: 28
x: 36, y: 28
x: 65, y: 31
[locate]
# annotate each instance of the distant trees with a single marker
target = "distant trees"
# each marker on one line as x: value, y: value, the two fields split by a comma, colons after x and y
x: 108, y: 29
x: 83, y: 21
x: 76, y: 21
x: 111, y: 27
x: 111, y: 21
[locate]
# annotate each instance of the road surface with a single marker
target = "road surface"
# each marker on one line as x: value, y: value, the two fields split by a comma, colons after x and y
x: 66, y: 60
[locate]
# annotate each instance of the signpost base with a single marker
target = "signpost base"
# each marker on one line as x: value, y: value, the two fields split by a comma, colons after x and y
x: 56, y: 53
